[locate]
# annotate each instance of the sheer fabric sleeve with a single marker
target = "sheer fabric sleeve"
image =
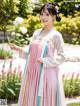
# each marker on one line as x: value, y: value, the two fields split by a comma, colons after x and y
x: 59, y: 58
x: 25, y: 52
x: 35, y: 35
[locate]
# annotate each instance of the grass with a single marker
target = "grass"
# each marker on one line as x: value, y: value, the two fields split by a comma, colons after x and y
x: 4, y: 54
x: 74, y: 104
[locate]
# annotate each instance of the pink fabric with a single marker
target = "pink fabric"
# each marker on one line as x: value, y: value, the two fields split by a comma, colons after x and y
x: 29, y: 87
x: 50, y: 87
x: 28, y: 92
x: 50, y: 83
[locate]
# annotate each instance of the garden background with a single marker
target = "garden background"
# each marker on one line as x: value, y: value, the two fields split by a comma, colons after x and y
x: 18, y: 20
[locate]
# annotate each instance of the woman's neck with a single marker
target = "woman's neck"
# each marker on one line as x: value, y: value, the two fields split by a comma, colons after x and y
x: 47, y: 28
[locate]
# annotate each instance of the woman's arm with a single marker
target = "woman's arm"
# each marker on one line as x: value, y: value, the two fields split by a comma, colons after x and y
x: 59, y: 58
x: 25, y: 52
x: 22, y: 53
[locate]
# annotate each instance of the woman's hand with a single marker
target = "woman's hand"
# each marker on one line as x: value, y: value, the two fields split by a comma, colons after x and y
x: 13, y: 46
x: 40, y: 60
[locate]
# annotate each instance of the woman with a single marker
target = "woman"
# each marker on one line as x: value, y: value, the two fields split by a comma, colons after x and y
x: 41, y: 84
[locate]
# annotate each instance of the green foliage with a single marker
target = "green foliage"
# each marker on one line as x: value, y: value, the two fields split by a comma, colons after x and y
x: 25, y: 8
x: 72, y: 88
x: 70, y: 29
x: 4, y: 54
x: 65, y: 7
x: 72, y: 85
x: 20, y: 39
x: 45, y: 1
x: 18, y: 36
x: 32, y: 23
x: 74, y: 104
x: 7, y: 10
x: 10, y: 82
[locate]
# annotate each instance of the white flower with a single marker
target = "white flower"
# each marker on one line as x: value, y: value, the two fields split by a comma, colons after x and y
x: 15, y: 23
x: 23, y: 30
x: 76, y: 5
x: 13, y: 33
x: 27, y: 35
x: 18, y: 34
x: 18, y: 21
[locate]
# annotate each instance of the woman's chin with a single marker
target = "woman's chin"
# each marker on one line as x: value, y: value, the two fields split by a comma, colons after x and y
x: 45, y: 24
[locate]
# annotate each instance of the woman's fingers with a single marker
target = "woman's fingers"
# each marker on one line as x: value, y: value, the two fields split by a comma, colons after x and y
x: 40, y: 60
x: 13, y: 46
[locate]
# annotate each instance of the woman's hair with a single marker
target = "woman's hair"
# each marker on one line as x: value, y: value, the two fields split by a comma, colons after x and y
x: 52, y: 9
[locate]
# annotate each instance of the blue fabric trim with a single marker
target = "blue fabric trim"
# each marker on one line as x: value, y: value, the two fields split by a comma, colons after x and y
x: 38, y: 100
x: 43, y: 54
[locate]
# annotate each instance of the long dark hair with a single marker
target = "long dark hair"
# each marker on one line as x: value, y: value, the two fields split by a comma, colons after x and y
x: 52, y: 9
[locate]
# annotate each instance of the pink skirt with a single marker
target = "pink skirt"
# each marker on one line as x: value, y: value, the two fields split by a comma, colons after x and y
x: 50, y: 82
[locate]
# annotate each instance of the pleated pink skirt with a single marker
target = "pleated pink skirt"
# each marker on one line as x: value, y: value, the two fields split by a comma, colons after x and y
x: 30, y: 82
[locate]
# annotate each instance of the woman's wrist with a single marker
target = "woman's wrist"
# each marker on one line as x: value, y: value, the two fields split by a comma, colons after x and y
x: 20, y: 49
x: 20, y: 52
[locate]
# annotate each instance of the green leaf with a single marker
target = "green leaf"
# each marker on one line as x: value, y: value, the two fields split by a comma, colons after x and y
x: 18, y: 84
x: 11, y: 91
x: 1, y: 91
